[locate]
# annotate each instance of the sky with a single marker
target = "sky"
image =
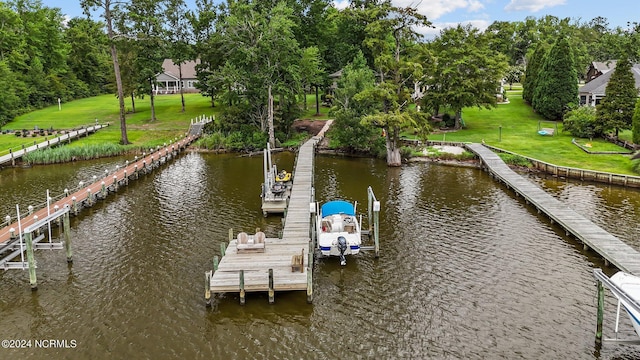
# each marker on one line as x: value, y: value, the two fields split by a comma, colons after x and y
x: 479, y: 13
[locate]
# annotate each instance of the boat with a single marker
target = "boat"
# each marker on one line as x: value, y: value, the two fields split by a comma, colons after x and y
x: 283, y: 176
x: 630, y: 285
x: 339, y: 232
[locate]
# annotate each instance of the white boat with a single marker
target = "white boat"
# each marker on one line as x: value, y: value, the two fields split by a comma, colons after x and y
x: 339, y: 231
x: 630, y: 285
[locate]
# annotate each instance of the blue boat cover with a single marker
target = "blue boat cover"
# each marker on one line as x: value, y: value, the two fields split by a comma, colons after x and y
x: 337, y: 207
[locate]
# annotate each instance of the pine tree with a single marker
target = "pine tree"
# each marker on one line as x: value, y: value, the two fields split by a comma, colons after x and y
x: 532, y: 72
x: 636, y: 123
x: 557, y: 82
x: 615, y: 111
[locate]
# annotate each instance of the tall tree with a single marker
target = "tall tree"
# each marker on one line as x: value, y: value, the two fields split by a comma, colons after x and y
x: 532, y: 71
x: 207, y: 47
x: 145, y: 26
x: 615, y: 111
x: 635, y: 123
x: 180, y: 38
x: 88, y: 57
x: 311, y: 73
x: 557, y: 82
x: 111, y: 13
x: 467, y: 72
x: 391, y: 39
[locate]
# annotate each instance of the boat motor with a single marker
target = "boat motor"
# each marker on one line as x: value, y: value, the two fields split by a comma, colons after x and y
x: 342, y: 246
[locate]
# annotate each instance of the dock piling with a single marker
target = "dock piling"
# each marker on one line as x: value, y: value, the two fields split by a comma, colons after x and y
x: 242, y: 293
x: 31, y: 261
x: 600, y: 311
x: 271, y: 291
x: 67, y: 237
x: 215, y: 263
x: 207, y: 288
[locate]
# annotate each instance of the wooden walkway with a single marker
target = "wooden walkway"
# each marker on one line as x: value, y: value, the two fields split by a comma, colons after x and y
x: 86, y: 196
x: 12, y: 156
x: 255, y: 268
x: 612, y: 249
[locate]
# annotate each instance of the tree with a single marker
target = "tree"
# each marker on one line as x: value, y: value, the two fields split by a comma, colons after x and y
x: 467, y: 72
x: 615, y: 111
x: 111, y: 13
x: 311, y: 72
x: 208, y: 47
x: 180, y: 38
x: 636, y: 123
x: 392, y: 39
x: 514, y: 74
x: 347, y: 130
x: 581, y: 122
x: 557, y: 82
x: 145, y: 26
x: 88, y: 57
x: 532, y: 71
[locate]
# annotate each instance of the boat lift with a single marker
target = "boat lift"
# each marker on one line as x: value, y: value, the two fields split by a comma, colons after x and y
x: 373, y: 221
x: 602, y: 282
x: 29, y: 239
x: 275, y: 194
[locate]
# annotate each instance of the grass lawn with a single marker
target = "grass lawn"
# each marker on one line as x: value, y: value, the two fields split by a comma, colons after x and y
x: 142, y: 132
x: 514, y: 127
x: 310, y: 113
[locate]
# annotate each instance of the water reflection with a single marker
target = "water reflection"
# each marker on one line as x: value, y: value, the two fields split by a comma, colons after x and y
x: 467, y: 270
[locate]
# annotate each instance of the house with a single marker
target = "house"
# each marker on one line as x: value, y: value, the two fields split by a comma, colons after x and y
x: 168, y: 81
x: 598, y: 68
x: 593, y: 91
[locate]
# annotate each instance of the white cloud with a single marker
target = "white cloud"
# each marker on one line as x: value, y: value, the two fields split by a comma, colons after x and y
x: 430, y: 33
x: 433, y: 9
x: 532, y: 5
x: 341, y: 4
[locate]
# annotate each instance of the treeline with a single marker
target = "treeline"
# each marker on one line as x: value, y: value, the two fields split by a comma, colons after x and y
x: 253, y: 51
x: 43, y: 59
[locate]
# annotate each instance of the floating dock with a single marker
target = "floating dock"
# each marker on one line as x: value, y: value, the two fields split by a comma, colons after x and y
x: 283, y: 264
x: 275, y: 194
x: 609, y: 247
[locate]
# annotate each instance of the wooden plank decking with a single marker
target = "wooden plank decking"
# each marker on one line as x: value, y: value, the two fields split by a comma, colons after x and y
x: 278, y: 251
x: 85, y: 196
x: 612, y: 249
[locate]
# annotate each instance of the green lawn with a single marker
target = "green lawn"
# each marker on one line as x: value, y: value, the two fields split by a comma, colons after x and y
x: 514, y: 127
x: 170, y: 123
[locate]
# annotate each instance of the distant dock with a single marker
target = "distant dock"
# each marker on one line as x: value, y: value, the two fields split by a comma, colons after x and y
x: 609, y: 247
x: 12, y: 156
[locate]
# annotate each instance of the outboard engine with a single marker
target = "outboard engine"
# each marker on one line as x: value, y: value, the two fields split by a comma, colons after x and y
x: 342, y: 246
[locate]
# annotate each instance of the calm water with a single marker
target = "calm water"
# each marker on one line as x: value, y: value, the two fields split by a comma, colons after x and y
x: 467, y: 270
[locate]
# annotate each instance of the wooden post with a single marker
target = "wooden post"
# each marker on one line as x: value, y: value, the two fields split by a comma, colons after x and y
x: 74, y: 205
x: 31, y: 261
x: 89, y: 197
x: 207, y: 288
x: 126, y: 177
x: 242, y: 294
x: 600, y: 312
x: 310, y: 278
x: 215, y: 263
x: 230, y: 234
x: 104, y: 190
x: 115, y: 182
x: 376, y: 221
x: 223, y: 248
x: 271, y: 291
x: 67, y: 236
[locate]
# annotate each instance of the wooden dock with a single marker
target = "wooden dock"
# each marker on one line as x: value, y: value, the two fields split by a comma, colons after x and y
x: 612, y: 249
x: 278, y: 268
x: 12, y: 156
x: 72, y: 201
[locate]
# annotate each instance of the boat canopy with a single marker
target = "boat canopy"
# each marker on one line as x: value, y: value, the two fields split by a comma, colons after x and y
x: 337, y: 207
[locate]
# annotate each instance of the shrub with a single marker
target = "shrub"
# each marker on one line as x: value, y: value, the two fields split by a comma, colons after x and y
x: 581, y: 122
x: 515, y: 160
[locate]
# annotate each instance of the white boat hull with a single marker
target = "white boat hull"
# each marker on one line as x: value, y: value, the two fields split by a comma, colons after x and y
x: 630, y: 284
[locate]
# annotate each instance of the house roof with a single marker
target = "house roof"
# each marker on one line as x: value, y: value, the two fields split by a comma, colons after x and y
x: 604, y: 67
x: 188, y: 69
x: 598, y: 85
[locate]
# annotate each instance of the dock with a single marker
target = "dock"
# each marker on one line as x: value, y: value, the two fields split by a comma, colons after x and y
x: 21, y: 235
x: 610, y: 248
x: 283, y: 264
x: 12, y: 156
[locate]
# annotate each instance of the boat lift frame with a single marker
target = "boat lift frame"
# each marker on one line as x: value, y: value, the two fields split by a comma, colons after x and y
x: 602, y: 282
x: 26, y: 243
